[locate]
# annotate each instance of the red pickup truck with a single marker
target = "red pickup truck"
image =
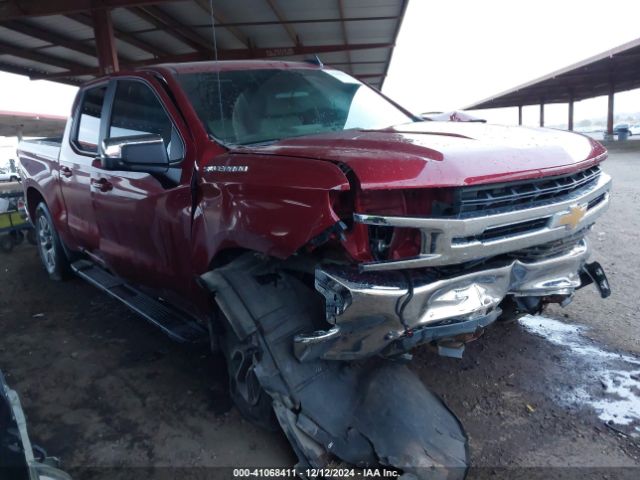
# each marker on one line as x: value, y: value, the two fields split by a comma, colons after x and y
x: 315, y: 232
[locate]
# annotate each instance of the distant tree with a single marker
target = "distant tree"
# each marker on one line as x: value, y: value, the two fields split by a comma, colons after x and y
x: 584, y: 123
x: 12, y: 165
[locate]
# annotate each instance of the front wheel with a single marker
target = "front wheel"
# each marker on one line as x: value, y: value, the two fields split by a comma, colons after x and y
x: 54, y: 259
x: 253, y: 402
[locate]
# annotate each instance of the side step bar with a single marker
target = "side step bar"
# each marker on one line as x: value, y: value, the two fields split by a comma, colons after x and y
x: 177, y: 325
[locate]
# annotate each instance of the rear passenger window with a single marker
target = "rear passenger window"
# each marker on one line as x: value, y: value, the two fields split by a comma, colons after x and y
x: 89, y: 122
x: 137, y: 111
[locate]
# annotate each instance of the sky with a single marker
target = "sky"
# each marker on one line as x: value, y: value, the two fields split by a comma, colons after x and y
x: 450, y: 54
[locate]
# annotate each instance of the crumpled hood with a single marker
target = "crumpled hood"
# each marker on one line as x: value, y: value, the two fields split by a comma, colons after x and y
x: 439, y: 154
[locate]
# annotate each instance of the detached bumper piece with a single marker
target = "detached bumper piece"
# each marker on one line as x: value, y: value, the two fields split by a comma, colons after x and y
x: 389, y: 313
x: 19, y: 460
x: 369, y: 414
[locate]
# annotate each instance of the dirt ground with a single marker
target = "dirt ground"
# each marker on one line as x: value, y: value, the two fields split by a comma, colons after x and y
x: 111, y: 396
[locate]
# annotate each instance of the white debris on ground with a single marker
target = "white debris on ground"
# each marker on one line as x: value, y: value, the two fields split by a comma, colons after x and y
x: 618, y: 374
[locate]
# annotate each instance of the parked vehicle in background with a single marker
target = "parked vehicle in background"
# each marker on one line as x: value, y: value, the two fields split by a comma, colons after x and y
x: 315, y: 232
x: 621, y: 128
x: 635, y: 129
x: 7, y: 176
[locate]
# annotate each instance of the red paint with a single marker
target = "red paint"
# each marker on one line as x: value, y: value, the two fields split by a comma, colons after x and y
x: 293, y: 190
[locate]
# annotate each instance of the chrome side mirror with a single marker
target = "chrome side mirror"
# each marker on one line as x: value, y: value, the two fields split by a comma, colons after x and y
x: 139, y: 153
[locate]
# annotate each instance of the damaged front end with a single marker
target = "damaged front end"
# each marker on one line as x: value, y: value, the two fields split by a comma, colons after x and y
x: 388, y: 313
x: 514, y: 247
x: 333, y: 364
x: 374, y: 413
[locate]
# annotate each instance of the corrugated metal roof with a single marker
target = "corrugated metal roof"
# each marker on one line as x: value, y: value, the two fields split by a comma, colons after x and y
x: 615, y: 70
x: 55, y: 39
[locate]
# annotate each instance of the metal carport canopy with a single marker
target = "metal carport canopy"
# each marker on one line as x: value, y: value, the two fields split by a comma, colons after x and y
x: 613, y: 71
x: 18, y: 124
x: 73, y: 41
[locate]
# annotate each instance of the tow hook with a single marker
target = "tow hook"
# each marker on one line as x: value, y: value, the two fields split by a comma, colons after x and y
x: 594, y: 273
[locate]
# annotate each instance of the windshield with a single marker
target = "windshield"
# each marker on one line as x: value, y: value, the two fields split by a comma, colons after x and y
x: 257, y: 106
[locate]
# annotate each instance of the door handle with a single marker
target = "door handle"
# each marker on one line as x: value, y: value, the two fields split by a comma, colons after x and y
x: 66, y: 171
x: 101, y: 184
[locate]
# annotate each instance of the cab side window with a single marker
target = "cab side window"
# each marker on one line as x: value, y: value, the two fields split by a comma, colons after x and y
x: 88, y: 130
x: 138, y: 111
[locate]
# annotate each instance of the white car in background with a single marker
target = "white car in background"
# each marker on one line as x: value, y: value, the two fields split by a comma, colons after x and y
x: 7, y: 176
x: 635, y: 129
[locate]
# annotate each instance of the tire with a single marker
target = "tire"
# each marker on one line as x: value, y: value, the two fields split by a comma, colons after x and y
x: 6, y: 243
x: 54, y: 259
x: 253, y: 402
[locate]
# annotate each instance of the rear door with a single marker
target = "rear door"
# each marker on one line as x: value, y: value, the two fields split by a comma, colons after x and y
x: 77, y: 158
x: 144, y: 219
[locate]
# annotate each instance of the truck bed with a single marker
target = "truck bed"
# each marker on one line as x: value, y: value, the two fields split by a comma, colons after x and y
x: 49, y: 148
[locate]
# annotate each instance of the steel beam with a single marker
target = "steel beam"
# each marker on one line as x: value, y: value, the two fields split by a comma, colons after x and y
x: 227, y: 24
x: 233, y: 54
x: 222, y: 21
x: 17, y: 9
x: 343, y: 28
x: 49, y: 37
x: 570, y: 119
x: 105, y: 42
x: 37, y: 57
x: 403, y: 10
x: 610, y: 108
x: 121, y: 35
x: 28, y: 72
x: 170, y: 25
x: 542, y: 113
x: 283, y: 21
x: 519, y: 114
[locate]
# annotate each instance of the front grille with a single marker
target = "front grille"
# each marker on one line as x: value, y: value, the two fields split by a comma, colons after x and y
x: 525, y: 194
x: 505, y: 231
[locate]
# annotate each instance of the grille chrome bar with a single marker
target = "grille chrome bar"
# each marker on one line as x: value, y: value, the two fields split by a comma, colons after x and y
x: 460, y: 240
x: 522, y: 194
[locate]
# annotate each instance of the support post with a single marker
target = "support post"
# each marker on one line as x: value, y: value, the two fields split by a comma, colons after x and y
x: 105, y: 41
x: 610, y: 110
x: 542, y: 113
x: 570, y: 120
x: 519, y: 114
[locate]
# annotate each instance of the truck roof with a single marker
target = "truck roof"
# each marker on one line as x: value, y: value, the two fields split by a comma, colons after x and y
x: 226, y: 65
x: 212, y: 66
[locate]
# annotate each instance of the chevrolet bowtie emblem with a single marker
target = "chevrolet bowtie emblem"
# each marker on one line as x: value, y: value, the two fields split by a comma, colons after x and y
x: 572, y: 219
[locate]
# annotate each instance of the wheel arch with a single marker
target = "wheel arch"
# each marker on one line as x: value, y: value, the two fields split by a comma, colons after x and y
x: 33, y: 198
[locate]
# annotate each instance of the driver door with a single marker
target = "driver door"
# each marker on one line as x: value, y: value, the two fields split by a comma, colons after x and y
x: 143, y: 218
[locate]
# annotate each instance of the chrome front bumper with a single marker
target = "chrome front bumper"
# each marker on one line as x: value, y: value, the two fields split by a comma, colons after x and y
x: 452, y: 241
x: 363, y: 307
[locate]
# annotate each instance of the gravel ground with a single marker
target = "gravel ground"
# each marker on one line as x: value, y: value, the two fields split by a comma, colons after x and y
x: 110, y: 395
